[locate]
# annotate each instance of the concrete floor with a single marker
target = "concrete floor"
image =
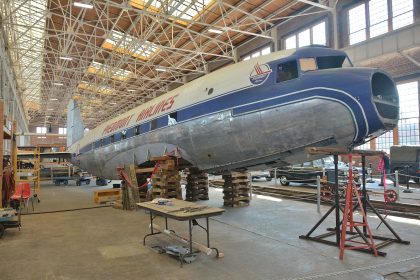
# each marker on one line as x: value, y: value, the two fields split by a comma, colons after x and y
x: 259, y: 242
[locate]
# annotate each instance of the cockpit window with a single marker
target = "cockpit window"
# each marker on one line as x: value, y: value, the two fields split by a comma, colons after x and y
x: 287, y: 71
x: 328, y: 62
x: 307, y: 64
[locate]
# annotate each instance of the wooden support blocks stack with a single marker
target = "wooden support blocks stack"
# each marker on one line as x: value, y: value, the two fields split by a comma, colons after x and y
x: 142, y: 179
x: 166, y: 181
x: 236, y: 189
x: 106, y: 195
x: 197, y: 187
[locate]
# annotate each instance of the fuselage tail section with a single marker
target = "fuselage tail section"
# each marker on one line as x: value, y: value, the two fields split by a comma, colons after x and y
x: 75, y: 126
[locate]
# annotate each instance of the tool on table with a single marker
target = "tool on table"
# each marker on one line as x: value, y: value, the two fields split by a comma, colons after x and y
x: 188, y: 209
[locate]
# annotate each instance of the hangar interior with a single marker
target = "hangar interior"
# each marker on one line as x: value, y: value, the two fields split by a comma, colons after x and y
x: 110, y: 57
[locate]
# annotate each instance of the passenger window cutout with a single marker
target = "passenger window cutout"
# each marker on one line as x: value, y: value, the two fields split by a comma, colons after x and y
x: 287, y: 71
x: 307, y: 64
x: 112, y: 138
x: 137, y: 130
x: 153, y: 124
x: 172, y: 118
x: 123, y: 134
x: 101, y: 143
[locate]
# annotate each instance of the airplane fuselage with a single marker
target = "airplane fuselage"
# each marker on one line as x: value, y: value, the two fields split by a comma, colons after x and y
x: 251, y: 114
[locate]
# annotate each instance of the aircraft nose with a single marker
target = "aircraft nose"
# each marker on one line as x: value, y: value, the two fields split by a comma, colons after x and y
x: 385, y: 98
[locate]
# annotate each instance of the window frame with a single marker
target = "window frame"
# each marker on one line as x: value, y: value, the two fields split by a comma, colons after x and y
x: 309, y: 26
x: 259, y: 51
x: 390, y: 18
x: 62, y: 130
x: 287, y: 62
x: 41, y: 129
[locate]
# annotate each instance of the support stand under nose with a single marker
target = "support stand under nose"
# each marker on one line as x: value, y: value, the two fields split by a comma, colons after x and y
x: 359, y: 232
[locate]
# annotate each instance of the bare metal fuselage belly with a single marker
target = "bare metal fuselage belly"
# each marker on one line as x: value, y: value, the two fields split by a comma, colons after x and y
x: 222, y: 141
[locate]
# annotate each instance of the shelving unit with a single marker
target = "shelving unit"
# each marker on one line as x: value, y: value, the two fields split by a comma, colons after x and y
x: 28, y: 171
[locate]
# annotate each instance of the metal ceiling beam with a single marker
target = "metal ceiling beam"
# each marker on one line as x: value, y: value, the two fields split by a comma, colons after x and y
x: 315, y: 4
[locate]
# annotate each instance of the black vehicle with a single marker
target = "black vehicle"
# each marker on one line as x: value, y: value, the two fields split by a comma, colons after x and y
x: 297, y: 175
x: 307, y: 172
x: 403, y: 157
x: 261, y: 174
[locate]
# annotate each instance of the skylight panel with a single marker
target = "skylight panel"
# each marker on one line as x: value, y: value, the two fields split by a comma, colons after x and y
x: 180, y: 9
x: 100, y: 69
x: 127, y: 44
x: 28, y: 57
x: 100, y: 89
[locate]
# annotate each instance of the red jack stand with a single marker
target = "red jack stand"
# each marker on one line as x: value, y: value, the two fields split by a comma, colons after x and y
x: 348, y: 220
x: 340, y: 231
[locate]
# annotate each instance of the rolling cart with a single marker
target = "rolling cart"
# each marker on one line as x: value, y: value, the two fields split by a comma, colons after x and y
x: 9, y: 218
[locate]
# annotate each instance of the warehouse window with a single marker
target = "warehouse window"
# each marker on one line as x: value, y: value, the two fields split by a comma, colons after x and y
x: 375, y: 18
x: 378, y: 17
x: 41, y: 129
x: 290, y: 43
x: 408, y: 125
x: 365, y: 146
x: 385, y: 141
x: 260, y: 52
x: 62, y: 130
x: 402, y: 13
x: 357, y: 24
x: 314, y: 35
x: 304, y: 38
x: 287, y: 71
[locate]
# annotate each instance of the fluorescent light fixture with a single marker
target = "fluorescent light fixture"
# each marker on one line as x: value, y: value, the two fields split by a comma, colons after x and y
x: 83, y: 5
x: 50, y: 109
x: 58, y: 84
x: 113, y: 103
x: 131, y: 90
x: 66, y: 58
x: 160, y: 69
x: 211, y: 30
x: 53, y: 99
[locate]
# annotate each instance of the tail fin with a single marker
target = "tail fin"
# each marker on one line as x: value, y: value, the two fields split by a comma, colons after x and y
x: 75, y: 126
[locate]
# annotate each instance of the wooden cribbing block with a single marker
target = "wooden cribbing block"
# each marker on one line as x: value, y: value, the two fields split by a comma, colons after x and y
x: 106, y: 195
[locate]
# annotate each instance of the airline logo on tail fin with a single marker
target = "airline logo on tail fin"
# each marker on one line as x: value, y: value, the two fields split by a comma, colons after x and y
x: 260, y: 74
